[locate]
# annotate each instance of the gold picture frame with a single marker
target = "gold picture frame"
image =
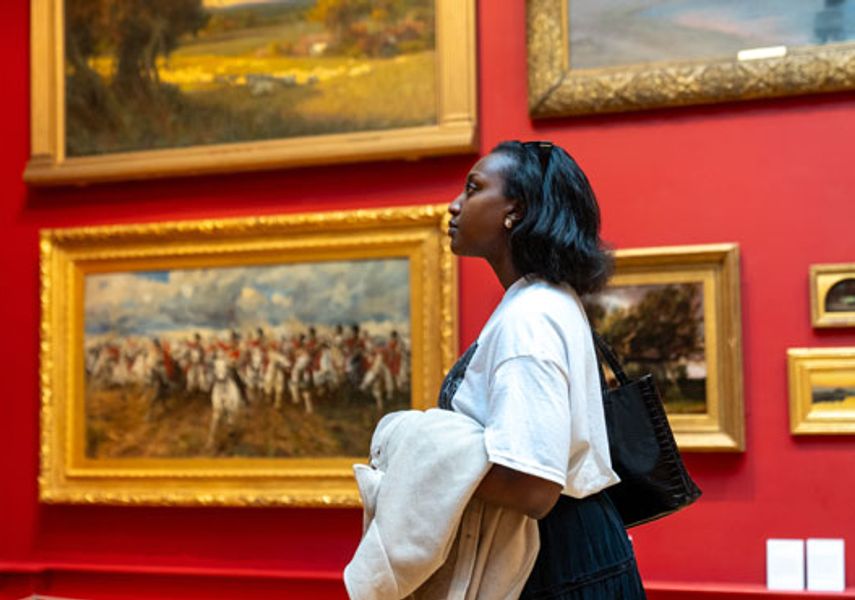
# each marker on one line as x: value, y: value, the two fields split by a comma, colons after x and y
x: 832, y: 295
x: 75, y: 262
x: 555, y: 89
x: 453, y: 132
x: 701, y: 381
x: 822, y: 390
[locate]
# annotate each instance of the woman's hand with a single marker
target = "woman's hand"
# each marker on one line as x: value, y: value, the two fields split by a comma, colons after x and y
x: 525, y: 493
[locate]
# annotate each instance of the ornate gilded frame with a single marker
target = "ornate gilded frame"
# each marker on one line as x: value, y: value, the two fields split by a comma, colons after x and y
x: 802, y: 365
x: 68, y: 255
x: 554, y: 89
x: 455, y: 131
x: 716, y: 266
x: 822, y: 279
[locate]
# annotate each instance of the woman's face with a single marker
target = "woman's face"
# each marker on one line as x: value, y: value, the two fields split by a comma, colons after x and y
x: 478, y: 213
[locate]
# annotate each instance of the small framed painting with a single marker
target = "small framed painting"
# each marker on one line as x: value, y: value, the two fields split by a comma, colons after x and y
x: 674, y: 312
x: 822, y: 390
x: 832, y: 295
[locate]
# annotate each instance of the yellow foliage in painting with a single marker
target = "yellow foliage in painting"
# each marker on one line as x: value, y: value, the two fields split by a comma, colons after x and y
x: 397, y: 88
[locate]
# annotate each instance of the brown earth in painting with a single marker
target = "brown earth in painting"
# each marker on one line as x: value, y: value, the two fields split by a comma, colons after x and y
x: 121, y: 424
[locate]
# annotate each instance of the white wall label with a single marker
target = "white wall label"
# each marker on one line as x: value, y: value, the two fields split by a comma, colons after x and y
x: 785, y: 564
x: 826, y: 570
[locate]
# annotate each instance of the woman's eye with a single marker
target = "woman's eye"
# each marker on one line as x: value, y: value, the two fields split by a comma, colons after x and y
x: 471, y: 188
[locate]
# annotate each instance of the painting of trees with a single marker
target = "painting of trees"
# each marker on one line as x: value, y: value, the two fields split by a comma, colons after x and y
x: 657, y: 329
x: 158, y: 74
x: 135, y: 33
x: 376, y: 27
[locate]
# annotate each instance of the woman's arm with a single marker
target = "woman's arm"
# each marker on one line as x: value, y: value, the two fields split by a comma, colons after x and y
x: 525, y: 493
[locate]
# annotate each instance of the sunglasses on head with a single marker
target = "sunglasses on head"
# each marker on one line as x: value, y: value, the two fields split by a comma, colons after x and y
x: 543, y: 150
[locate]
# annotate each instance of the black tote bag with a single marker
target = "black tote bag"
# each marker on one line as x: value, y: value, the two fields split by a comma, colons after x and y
x: 654, y: 481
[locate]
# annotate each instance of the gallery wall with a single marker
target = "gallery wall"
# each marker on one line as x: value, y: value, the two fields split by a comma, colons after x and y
x: 774, y: 176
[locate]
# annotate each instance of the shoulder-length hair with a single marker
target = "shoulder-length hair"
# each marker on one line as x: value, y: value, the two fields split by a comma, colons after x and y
x: 558, y: 235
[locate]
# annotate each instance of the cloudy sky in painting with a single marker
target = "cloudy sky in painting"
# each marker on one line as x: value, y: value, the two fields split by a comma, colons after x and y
x: 617, y: 297
x: 319, y: 293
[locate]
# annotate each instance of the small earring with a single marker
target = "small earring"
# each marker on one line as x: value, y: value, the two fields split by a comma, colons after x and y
x: 509, y: 222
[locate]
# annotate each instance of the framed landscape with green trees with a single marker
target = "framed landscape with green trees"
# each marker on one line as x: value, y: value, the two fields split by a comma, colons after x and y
x: 674, y: 312
x: 143, y: 88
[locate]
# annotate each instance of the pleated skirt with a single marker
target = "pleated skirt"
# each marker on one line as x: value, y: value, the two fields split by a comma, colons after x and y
x: 585, y: 554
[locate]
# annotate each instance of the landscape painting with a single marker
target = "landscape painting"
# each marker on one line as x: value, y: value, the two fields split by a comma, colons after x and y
x: 160, y: 74
x: 832, y: 295
x: 833, y: 391
x: 611, y: 33
x: 276, y: 361
x: 658, y: 329
x: 606, y: 56
x: 822, y: 390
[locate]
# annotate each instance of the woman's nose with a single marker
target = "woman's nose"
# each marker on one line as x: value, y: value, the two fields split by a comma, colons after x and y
x: 454, y: 206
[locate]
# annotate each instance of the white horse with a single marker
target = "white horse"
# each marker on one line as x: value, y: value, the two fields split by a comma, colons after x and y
x: 378, y: 379
x: 301, y: 380
x: 103, y: 366
x: 402, y: 379
x: 276, y: 377
x: 225, y: 399
x: 140, y: 368
x: 197, y: 374
x: 253, y: 375
x: 330, y: 371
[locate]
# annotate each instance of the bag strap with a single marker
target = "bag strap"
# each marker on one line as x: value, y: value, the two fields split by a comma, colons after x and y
x: 611, y: 358
x: 604, y: 386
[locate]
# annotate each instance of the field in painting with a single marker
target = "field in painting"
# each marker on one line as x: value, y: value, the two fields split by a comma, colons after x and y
x: 119, y: 426
x: 191, y: 72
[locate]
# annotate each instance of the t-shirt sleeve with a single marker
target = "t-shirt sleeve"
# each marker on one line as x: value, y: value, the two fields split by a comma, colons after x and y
x: 528, y: 420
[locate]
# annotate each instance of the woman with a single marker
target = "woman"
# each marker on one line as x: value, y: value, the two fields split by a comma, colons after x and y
x: 531, y: 378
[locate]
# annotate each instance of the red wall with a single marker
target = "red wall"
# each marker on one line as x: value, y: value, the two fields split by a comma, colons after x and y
x: 775, y: 176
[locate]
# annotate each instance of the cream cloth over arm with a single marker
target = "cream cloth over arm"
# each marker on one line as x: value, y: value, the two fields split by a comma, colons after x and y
x: 418, y: 502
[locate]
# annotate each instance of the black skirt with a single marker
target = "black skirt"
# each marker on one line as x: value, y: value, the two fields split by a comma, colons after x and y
x: 584, y: 554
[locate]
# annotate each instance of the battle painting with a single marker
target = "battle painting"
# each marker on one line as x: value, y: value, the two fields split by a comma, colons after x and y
x: 277, y: 361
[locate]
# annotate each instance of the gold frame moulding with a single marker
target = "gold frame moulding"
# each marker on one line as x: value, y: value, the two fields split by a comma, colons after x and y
x: 828, y: 415
x: 721, y: 427
x: 554, y: 89
x: 454, y: 131
x: 68, y: 474
x: 822, y: 279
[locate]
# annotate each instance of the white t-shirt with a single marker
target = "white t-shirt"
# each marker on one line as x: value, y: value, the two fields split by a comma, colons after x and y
x: 533, y: 384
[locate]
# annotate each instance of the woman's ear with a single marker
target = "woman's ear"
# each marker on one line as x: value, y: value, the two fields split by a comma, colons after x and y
x: 512, y: 217
x: 515, y: 212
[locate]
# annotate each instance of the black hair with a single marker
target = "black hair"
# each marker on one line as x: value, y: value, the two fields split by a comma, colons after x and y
x: 557, y: 236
